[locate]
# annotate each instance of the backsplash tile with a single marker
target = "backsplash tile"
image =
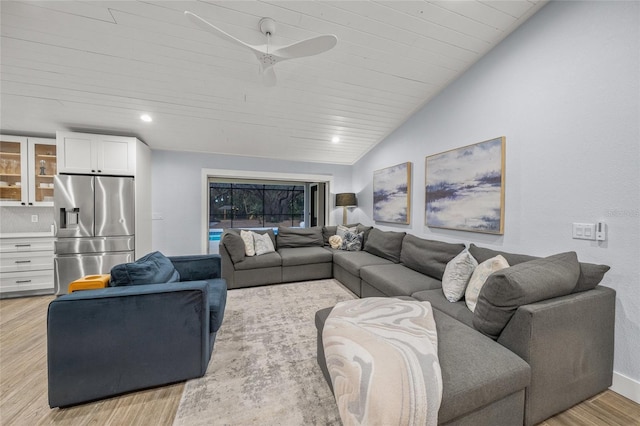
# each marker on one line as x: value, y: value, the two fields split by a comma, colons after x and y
x: 18, y: 219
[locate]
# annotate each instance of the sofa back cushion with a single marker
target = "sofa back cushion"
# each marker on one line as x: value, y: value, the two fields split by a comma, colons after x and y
x: 153, y: 268
x: 385, y: 244
x: 300, y: 237
x: 234, y: 245
x: 590, y: 273
x: 524, y: 283
x: 428, y: 257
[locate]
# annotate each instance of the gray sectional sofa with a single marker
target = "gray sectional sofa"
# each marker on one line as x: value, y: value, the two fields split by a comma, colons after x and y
x: 539, y: 341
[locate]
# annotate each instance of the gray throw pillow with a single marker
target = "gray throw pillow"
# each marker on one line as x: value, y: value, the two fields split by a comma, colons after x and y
x: 428, y: 257
x: 154, y: 268
x: 385, y: 244
x: 234, y: 245
x: 590, y: 274
x: 522, y: 284
x: 328, y: 232
x: 299, y: 237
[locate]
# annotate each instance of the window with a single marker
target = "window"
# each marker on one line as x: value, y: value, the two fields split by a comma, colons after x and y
x: 255, y: 205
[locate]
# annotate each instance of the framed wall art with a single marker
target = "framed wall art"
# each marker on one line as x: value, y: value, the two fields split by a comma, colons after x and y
x: 465, y: 188
x: 392, y: 194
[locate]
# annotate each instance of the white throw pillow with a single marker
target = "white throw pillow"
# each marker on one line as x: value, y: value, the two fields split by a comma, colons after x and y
x: 457, y: 274
x: 247, y: 238
x: 335, y: 241
x: 480, y: 276
x: 263, y: 243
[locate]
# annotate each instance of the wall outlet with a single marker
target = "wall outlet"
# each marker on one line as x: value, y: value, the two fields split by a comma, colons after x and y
x: 34, y: 218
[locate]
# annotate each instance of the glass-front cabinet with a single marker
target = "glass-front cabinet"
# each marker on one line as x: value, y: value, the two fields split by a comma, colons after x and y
x: 27, y: 167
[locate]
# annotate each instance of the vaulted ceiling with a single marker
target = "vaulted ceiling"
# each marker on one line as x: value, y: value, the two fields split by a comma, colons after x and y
x: 98, y: 65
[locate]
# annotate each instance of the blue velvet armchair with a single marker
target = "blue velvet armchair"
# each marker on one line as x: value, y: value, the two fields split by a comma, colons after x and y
x: 110, y: 341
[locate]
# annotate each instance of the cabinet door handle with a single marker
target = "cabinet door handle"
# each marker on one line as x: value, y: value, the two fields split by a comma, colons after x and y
x: 99, y: 171
x: 23, y: 261
x: 23, y: 245
x: 23, y: 281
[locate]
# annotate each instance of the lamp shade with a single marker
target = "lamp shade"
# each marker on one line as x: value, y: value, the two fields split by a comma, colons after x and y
x: 346, y: 199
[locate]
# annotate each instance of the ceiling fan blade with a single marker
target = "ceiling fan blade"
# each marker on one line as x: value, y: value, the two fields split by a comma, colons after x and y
x: 205, y: 25
x: 308, y: 47
x: 269, y: 76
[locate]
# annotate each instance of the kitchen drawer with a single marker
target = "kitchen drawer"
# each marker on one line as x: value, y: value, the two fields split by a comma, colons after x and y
x: 29, y: 261
x: 11, y: 245
x: 26, y: 281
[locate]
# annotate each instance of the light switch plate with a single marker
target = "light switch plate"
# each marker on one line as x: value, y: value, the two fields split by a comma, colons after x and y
x: 584, y: 231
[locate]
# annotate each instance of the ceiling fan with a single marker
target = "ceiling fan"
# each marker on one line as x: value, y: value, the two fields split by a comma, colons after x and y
x: 269, y: 55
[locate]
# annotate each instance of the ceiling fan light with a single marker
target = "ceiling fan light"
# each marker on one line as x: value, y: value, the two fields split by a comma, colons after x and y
x: 146, y: 118
x: 335, y: 139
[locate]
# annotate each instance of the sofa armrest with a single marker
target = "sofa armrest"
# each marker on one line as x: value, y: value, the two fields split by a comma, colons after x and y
x: 197, y: 267
x: 568, y: 342
x: 114, y: 340
x: 227, y: 265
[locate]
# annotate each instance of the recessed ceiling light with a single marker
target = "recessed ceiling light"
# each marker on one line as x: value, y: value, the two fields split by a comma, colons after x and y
x: 335, y: 139
x: 146, y: 118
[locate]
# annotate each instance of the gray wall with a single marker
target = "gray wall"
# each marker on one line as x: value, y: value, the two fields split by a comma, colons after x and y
x: 177, y: 189
x: 564, y: 90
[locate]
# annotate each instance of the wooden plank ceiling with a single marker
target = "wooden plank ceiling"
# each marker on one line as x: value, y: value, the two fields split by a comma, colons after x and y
x: 98, y: 65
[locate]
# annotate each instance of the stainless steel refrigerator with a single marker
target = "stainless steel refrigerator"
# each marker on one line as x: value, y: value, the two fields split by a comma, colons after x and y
x: 94, y: 225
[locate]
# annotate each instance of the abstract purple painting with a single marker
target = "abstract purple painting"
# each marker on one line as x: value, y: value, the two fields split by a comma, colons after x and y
x: 465, y: 188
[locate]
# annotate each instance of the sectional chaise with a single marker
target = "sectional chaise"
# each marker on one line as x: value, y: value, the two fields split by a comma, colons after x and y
x: 539, y: 341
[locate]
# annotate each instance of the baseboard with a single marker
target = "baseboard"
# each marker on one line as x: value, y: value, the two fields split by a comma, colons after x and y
x: 626, y: 387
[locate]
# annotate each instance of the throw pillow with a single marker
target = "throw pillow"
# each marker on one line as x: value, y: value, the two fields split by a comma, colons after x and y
x: 352, y: 241
x: 247, y: 238
x: 335, y: 242
x: 342, y: 230
x: 263, y: 244
x: 154, y: 268
x: 522, y: 284
x: 479, y: 277
x: 457, y: 274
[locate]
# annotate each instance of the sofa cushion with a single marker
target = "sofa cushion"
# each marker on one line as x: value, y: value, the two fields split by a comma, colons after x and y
x: 457, y: 310
x: 299, y: 237
x: 479, y: 278
x: 268, y: 260
x: 353, y: 261
x: 385, y: 244
x: 397, y: 280
x: 234, y: 245
x: 304, y: 256
x: 328, y: 232
x: 365, y: 230
x: 428, y: 256
x: 590, y: 274
x: 457, y: 274
x: 524, y: 283
x: 153, y: 268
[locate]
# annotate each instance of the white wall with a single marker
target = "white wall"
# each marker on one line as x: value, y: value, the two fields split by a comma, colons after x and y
x: 177, y: 192
x: 564, y: 90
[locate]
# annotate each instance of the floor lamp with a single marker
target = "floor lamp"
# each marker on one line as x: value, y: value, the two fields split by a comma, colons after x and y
x: 344, y: 200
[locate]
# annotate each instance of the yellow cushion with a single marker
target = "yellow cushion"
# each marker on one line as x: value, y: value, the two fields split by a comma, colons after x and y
x: 90, y: 282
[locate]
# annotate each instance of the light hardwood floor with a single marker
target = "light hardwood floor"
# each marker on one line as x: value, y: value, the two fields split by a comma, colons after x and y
x: 23, y: 385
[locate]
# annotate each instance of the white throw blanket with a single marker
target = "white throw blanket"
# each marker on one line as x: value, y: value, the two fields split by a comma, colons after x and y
x: 382, y: 356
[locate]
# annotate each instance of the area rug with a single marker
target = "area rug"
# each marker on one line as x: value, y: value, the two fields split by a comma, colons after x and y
x: 263, y: 369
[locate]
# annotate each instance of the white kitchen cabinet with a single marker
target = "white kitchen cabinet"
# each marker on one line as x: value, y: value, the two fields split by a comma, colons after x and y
x: 26, y: 266
x: 27, y: 167
x: 94, y: 154
x: 88, y: 153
